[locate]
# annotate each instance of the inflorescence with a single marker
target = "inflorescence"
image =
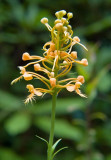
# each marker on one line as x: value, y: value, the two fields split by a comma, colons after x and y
x: 56, y: 62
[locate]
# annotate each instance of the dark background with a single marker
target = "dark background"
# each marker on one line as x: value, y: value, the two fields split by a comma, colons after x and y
x: 84, y: 124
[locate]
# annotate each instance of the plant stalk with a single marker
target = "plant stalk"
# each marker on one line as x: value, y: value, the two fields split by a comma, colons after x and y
x: 50, y: 144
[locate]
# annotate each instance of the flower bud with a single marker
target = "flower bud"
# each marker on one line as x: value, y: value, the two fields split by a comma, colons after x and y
x: 70, y: 15
x: 26, y: 56
x: 69, y: 27
x: 44, y: 20
x: 57, y: 21
x: 63, y: 20
x: 62, y: 12
x: 59, y: 26
x: 37, y: 67
x: 27, y: 76
x: 81, y: 79
x: 76, y: 39
x: 64, y: 28
x: 53, y: 82
x: 74, y: 54
x: 84, y: 62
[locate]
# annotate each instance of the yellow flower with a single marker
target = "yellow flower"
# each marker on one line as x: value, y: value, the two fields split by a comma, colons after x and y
x: 56, y: 62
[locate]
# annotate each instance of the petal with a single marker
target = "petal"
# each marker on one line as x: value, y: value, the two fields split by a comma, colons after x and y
x: 29, y: 98
x: 70, y: 88
x: 38, y: 93
x: 79, y: 92
x: 27, y: 76
x: 77, y: 85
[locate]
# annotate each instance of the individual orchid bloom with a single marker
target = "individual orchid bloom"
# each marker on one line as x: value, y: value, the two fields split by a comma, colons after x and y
x: 56, y: 62
x: 75, y: 87
x: 33, y: 93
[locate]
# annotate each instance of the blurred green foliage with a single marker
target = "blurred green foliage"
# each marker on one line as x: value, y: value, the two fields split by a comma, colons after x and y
x: 84, y: 124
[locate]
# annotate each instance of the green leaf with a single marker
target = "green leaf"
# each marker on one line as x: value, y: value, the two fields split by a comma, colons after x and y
x: 42, y: 139
x: 64, y: 106
x: 9, y: 101
x: 7, y: 154
x: 58, y: 151
x: 18, y: 123
x: 105, y: 83
x: 62, y: 128
x: 108, y: 157
x: 98, y: 115
x: 55, y: 144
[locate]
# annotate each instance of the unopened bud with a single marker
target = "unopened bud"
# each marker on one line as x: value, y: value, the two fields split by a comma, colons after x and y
x: 69, y: 27
x: 53, y: 82
x: 44, y: 20
x: 57, y: 21
x: 63, y: 20
x: 26, y: 56
x: 59, y: 26
x: 74, y: 55
x: 60, y: 14
x: 70, y: 15
x: 37, y: 67
x: 84, y: 62
x: 64, y: 28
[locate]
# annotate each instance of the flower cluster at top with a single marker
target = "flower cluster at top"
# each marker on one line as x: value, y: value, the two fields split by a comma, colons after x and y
x: 56, y: 62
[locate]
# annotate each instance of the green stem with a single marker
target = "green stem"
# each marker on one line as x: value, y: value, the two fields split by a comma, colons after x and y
x: 49, y: 152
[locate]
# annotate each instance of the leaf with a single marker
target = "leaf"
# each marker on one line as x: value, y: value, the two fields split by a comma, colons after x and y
x: 58, y: 151
x: 64, y: 106
x: 105, y: 83
x: 9, y: 101
x: 42, y: 139
x: 108, y: 157
x: 98, y: 115
x: 62, y: 128
x: 55, y: 144
x: 18, y: 123
x: 7, y: 154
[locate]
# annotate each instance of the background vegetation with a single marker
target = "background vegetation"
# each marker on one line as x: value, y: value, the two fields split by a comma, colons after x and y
x: 84, y: 124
